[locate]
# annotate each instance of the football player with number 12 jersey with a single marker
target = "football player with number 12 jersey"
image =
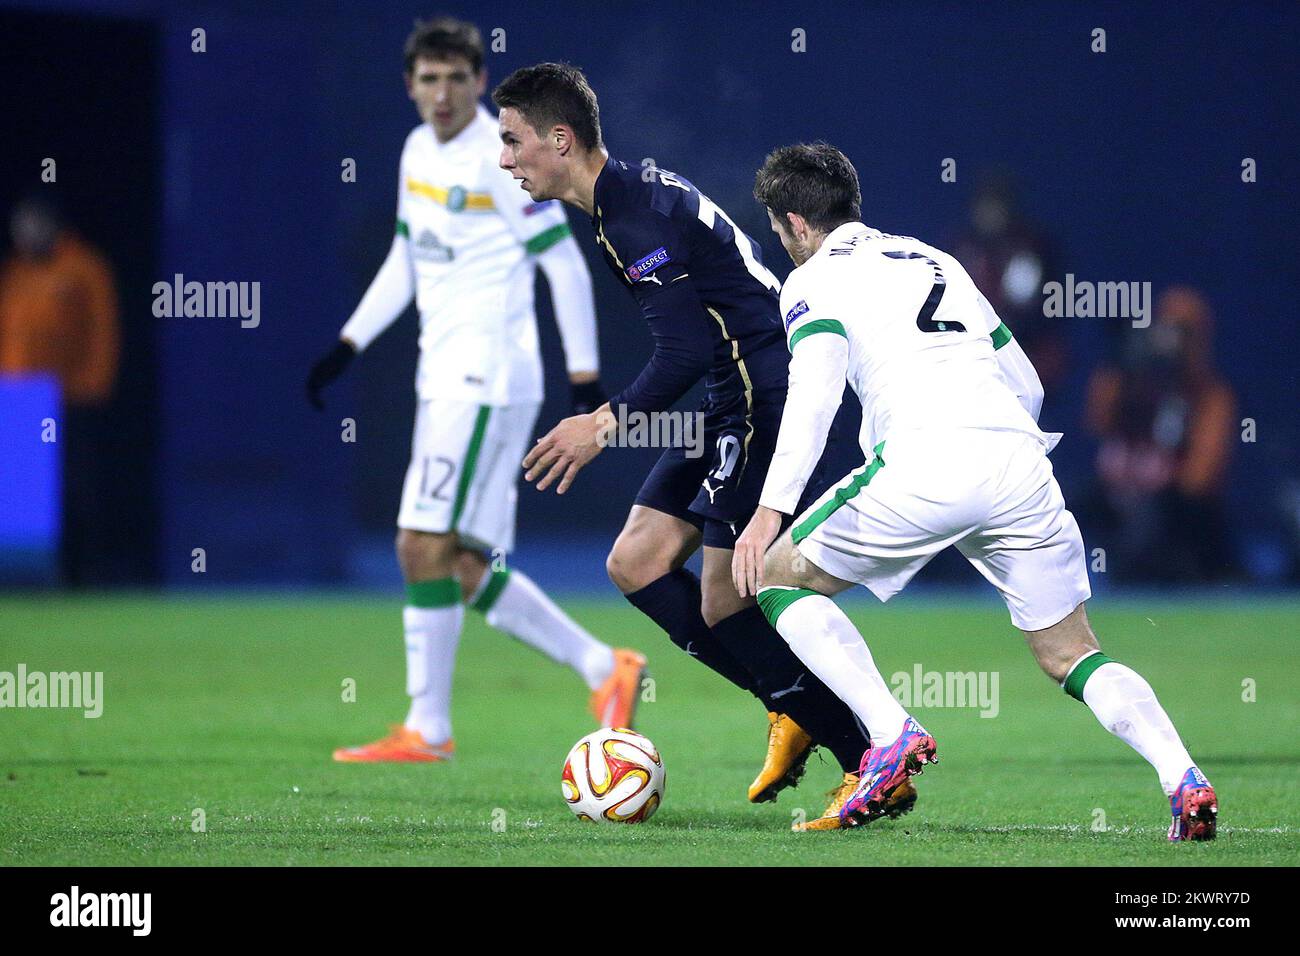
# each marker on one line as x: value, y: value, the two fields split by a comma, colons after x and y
x: 466, y: 248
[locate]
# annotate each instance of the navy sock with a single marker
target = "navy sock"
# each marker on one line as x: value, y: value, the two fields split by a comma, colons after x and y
x: 673, y: 602
x: 787, y: 686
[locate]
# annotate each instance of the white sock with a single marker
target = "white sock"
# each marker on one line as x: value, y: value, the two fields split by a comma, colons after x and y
x: 1127, y: 707
x: 511, y: 602
x: 432, y: 634
x: 822, y: 636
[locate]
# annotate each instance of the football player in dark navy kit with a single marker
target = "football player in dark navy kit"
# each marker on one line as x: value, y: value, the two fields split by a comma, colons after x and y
x: 713, y: 311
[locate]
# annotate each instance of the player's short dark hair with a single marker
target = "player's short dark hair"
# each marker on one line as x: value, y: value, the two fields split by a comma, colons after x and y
x: 551, y: 93
x: 812, y: 180
x: 442, y: 38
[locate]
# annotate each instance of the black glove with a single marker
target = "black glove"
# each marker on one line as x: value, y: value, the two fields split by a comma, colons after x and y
x: 327, y: 370
x: 587, y: 397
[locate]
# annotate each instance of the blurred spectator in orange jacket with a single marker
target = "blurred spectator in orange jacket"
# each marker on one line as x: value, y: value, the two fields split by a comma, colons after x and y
x: 1166, y: 421
x: 1010, y: 259
x: 58, y: 308
x: 59, y: 315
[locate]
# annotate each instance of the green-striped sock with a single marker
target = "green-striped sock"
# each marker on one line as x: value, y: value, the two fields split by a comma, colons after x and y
x: 1081, y: 671
x: 443, y: 592
x: 491, y: 588
x: 773, y: 600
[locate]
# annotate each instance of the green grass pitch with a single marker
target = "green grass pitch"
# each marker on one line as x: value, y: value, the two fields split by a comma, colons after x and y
x: 232, y: 706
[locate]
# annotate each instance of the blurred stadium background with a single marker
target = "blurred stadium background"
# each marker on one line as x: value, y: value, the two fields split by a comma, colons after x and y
x: 224, y: 165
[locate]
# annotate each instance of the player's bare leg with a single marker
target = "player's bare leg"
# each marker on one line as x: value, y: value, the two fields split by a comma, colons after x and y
x: 1058, y: 647
x: 471, y: 573
x: 650, y: 545
x: 1126, y: 705
x: 796, y: 599
x: 512, y: 602
x: 423, y: 556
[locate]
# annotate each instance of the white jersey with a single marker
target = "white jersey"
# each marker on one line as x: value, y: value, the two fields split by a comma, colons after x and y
x: 922, y: 351
x: 471, y: 239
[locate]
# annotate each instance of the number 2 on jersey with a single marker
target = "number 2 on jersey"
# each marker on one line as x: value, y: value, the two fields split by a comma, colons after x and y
x: 925, y: 318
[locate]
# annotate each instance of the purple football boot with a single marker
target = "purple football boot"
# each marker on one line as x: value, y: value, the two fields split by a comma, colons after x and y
x: 884, y: 770
x: 1195, y: 807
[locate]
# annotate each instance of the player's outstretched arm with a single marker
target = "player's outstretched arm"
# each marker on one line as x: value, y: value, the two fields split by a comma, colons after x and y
x: 683, y: 353
x: 389, y: 294
x: 329, y: 367
x: 567, y: 448
x: 751, y: 546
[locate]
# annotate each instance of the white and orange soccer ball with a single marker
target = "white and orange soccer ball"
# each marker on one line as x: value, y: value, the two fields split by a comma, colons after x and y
x: 614, y: 775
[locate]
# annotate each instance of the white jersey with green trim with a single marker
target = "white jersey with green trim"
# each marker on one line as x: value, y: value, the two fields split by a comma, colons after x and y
x: 904, y: 323
x: 470, y: 230
x: 467, y: 242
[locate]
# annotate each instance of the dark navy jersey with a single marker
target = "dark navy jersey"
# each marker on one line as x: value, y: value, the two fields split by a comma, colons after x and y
x: 700, y: 281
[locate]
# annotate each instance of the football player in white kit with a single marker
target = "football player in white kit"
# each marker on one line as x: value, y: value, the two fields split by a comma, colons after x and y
x: 954, y: 457
x: 466, y: 247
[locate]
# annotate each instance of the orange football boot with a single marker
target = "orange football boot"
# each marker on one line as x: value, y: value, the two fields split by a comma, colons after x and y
x: 401, y: 746
x: 899, y: 802
x: 788, y: 747
x: 614, y: 702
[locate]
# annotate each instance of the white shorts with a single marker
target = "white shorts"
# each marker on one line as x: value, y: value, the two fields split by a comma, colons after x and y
x: 465, y: 466
x: 990, y: 493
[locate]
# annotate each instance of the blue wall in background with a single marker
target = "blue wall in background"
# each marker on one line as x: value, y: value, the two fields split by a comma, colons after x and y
x: 1130, y: 159
x: 31, y: 473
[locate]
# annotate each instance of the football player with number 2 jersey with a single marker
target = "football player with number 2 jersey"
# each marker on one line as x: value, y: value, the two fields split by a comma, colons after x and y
x: 954, y: 457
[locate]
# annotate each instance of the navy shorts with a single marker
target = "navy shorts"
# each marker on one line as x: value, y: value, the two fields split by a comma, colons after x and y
x: 718, y: 490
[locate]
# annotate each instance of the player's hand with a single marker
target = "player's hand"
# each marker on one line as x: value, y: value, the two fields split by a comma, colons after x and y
x: 587, y: 396
x: 330, y: 367
x: 751, y: 546
x: 566, y: 449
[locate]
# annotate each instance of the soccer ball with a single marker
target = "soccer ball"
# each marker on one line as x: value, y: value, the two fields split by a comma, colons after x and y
x: 614, y: 775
